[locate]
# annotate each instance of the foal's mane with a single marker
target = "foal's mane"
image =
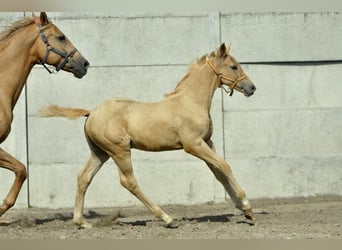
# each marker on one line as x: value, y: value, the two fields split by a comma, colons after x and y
x: 199, y: 62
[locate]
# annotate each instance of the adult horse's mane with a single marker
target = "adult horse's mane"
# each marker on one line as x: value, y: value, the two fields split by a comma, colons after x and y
x: 199, y: 62
x: 12, y: 28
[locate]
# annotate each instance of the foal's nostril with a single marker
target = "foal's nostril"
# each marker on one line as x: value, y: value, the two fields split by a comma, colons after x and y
x: 86, y: 64
x: 253, y: 88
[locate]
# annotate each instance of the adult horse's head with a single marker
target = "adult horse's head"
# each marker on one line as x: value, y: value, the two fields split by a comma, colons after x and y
x: 230, y: 72
x: 54, y: 48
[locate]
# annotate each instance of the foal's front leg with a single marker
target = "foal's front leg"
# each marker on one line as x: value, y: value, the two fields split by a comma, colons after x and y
x: 223, y: 173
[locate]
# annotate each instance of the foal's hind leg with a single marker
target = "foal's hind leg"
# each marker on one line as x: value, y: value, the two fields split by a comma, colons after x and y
x: 123, y: 159
x: 9, y: 162
x: 223, y: 173
x: 84, y: 179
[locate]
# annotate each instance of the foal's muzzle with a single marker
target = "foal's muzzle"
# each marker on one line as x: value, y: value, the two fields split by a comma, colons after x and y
x: 247, y: 87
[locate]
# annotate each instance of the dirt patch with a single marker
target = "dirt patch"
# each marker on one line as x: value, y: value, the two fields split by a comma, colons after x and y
x: 303, y: 218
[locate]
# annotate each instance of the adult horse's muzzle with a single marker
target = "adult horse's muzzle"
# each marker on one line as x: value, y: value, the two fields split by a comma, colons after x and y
x: 77, y: 65
x: 71, y: 61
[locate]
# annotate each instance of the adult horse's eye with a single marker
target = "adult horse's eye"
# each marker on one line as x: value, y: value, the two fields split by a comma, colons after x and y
x: 61, y: 38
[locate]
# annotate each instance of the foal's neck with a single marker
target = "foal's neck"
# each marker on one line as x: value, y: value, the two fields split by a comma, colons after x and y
x: 16, y: 62
x: 200, y: 88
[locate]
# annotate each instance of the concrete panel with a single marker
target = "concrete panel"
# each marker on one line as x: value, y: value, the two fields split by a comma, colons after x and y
x: 290, y: 87
x: 177, y: 182
x: 290, y: 133
x: 285, y: 153
x: 138, y: 40
x: 258, y: 37
x: 275, y: 177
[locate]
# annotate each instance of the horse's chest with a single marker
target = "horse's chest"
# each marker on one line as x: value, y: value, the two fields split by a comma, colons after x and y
x: 202, y: 126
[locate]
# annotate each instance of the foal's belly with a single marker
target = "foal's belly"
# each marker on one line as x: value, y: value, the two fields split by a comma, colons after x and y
x: 154, y: 140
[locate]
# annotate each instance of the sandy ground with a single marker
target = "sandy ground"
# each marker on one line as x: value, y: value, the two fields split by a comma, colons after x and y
x: 299, y: 218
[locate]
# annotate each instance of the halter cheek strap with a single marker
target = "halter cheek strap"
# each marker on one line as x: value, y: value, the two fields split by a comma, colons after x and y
x: 49, y: 48
x: 221, y: 76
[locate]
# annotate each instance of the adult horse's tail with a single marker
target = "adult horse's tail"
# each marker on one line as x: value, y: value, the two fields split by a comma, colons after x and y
x: 71, y: 113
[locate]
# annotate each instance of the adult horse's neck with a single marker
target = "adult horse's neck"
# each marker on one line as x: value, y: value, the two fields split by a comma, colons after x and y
x: 198, y: 87
x: 16, y: 62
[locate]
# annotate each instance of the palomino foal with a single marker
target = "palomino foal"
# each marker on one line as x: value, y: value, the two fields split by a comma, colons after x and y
x: 180, y: 121
x: 27, y: 42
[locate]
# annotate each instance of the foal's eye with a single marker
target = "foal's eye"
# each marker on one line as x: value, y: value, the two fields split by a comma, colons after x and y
x: 234, y: 67
x: 61, y: 38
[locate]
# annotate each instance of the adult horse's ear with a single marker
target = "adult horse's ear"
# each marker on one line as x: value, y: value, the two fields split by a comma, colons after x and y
x: 43, y: 18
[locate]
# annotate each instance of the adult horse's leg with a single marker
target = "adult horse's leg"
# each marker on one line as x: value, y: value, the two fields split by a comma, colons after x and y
x: 9, y: 162
x: 223, y: 173
x: 85, y: 176
x: 123, y: 160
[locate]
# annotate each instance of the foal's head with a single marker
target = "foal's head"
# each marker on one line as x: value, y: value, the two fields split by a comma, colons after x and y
x: 54, y: 48
x: 230, y: 72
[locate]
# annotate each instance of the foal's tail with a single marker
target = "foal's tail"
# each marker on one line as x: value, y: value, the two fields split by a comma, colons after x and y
x: 71, y: 113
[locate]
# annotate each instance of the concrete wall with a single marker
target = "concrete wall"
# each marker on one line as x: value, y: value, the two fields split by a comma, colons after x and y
x: 284, y: 141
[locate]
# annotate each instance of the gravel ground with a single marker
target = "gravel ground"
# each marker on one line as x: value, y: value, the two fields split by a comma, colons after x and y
x: 297, y: 218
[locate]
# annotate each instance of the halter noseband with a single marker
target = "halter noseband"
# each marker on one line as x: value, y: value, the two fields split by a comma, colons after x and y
x: 49, y: 48
x: 234, y: 81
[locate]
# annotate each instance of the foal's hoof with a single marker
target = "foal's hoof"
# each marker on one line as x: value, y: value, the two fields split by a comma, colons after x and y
x: 249, y: 215
x: 83, y: 225
x: 172, y: 225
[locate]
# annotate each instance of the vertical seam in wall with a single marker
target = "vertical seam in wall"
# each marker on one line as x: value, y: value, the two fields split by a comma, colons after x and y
x: 222, y: 97
x: 222, y: 107
x: 214, y: 42
x: 27, y: 143
x: 27, y: 148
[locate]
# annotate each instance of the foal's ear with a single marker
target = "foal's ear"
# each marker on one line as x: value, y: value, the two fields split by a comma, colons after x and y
x: 222, y: 51
x: 43, y: 18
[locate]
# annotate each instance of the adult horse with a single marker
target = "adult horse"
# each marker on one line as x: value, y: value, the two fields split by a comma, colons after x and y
x: 27, y: 42
x: 180, y: 121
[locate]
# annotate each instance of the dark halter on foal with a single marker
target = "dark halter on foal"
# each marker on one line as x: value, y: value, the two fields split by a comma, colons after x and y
x: 49, y: 48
